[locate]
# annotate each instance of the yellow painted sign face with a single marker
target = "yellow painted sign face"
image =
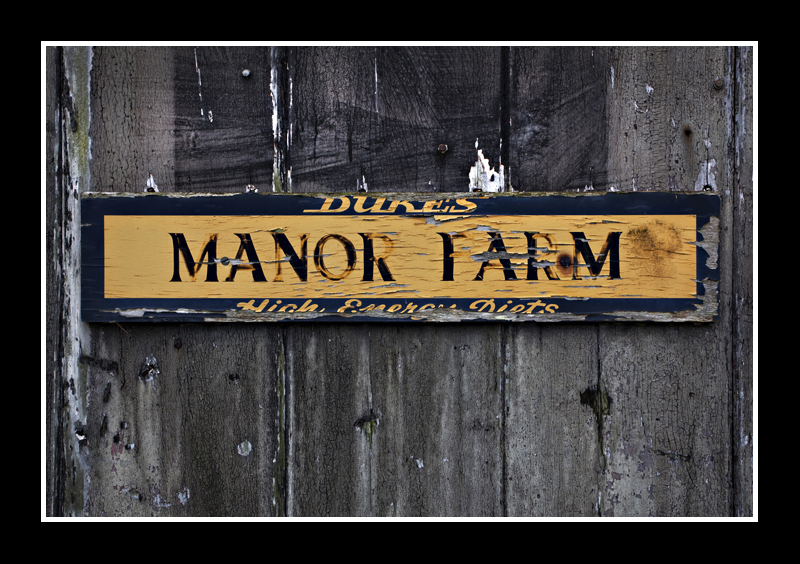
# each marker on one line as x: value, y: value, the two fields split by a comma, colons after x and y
x: 343, y: 256
x: 422, y: 257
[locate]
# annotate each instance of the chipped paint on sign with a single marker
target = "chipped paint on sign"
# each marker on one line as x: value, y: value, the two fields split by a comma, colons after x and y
x: 464, y: 257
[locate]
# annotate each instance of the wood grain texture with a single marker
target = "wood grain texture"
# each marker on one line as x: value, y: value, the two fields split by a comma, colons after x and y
x: 375, y: 117
x: 395, y: 419
x: 223, y: 119
x: 669, y: 407
x: 183, y: 420
x: 134, y: 90
x: 553, y: 459
x: 743, y: 287
x: 671, y: 129
x: 668, y: 125
x: 52, y: 197
x: 557, y: 130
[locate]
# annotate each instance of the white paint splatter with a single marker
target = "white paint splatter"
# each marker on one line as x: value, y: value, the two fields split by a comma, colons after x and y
x: 648, y: 88
x: 707, y: 176
x: 483, y: 178
x: 612, y: 77
x: 157, y: 502
x: 376, y: 85
x: 199, y: 81
x: 151, y: 184
x: 183, y: 496
x: 244, y: 448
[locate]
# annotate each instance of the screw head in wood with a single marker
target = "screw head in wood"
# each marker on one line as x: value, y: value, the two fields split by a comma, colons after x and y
x: 246, y: 73
x: 442, y: 148
x: 719, y: 84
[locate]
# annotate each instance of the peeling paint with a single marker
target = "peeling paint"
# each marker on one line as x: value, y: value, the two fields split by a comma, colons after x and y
x: 149, y: 370
x: 199, y: 81
x: 151, y: 184
x: 483, y: 178
x: 244, y: 448
x: 183, y: 496
x: 710, y: 242
x: 75, y: 121
x: 706, y: 176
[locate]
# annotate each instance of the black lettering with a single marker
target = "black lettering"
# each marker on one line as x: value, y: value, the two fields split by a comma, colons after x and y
x: 447, y: 255
x: 611, y: 246
x: 370, y: 259
x: 496, y: 245
x: 180, y: 247
x: 319, y: 261
x: 298, y: 264
x: 246, y: 246
x: 533, y: 270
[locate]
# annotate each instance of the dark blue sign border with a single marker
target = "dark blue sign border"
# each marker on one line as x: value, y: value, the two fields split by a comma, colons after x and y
x: 96, y: 308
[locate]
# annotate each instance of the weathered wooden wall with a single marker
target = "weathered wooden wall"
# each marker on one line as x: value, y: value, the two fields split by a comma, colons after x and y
x: 395, y: 419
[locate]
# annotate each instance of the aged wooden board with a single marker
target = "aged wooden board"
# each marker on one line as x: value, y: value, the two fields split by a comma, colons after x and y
x: 471, y: 256
x: 405, y: 419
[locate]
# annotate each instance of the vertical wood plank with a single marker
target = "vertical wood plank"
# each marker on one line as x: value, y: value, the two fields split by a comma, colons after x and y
x: 189, y: 424
x: 374, y: 117
x: 552, y: 452
x: 73, y: 176
x: 133, y: 90
x: 557, y: 141
x: 665, y: 437
x: 668, y: 123
x: 327, y: 375
x: 558, y: 134
x: 52, y: 372
x: 743, y: 296
x: 439, y: 447
x: 182, y: 420
x: 223, y: 119
x: 395, y: 420
x: 666, y: 443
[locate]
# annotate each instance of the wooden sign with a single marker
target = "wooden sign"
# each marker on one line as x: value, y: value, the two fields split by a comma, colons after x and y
x: 515, y: 257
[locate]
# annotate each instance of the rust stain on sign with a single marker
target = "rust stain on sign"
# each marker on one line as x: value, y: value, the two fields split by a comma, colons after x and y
x: 492, y: 258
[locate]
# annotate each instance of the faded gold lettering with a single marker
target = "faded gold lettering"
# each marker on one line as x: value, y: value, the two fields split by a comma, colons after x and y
x: 352, y: 304
x: 470, y: 206
x: 405, y: 203
x: 326, y: 205
x: 374, y: 208
x: 534, y: 305
x: 476, y: 305
x: 435, y: 206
